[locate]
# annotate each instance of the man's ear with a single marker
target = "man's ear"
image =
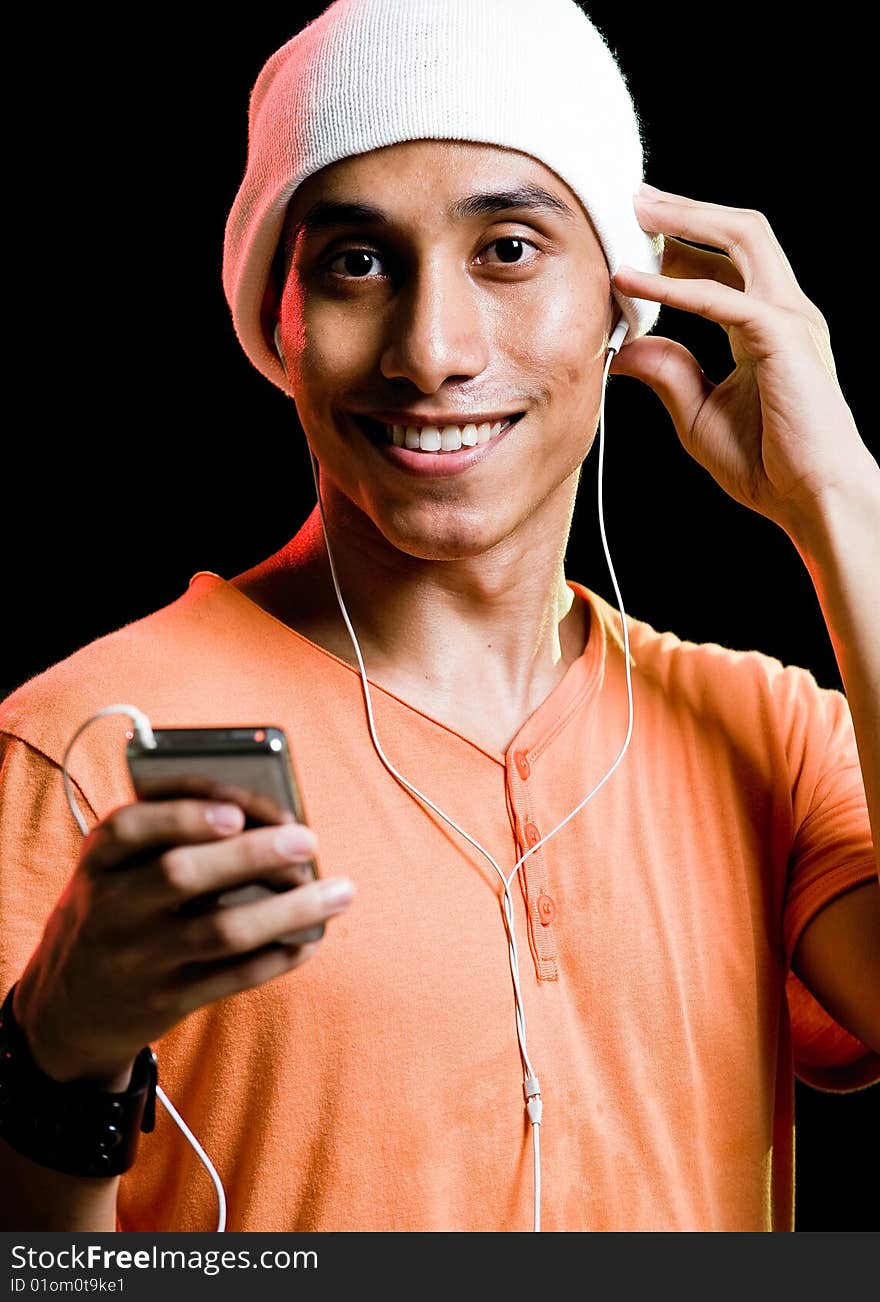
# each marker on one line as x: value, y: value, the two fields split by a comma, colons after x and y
x: 270, y: 309
x: 616, y: 317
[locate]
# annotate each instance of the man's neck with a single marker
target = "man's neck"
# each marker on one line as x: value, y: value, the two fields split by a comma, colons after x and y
x: 507, y: 626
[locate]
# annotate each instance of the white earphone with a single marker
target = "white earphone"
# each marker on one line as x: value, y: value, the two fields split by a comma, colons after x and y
x: 618, y: 335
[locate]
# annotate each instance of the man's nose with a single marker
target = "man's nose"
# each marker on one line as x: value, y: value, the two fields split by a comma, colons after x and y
x: 437, y: 329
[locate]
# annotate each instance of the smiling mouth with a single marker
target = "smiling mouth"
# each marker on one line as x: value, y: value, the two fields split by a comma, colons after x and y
x: 434, y: 439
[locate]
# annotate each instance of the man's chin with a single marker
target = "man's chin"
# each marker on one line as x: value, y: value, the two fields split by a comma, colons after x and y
x: 415, y: 526
x: 447, y: 544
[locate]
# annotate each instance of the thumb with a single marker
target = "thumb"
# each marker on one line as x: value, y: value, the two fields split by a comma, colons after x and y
x: 672, y: 372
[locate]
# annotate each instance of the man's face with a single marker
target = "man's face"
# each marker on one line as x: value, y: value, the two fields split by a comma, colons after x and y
x: 443, y: 311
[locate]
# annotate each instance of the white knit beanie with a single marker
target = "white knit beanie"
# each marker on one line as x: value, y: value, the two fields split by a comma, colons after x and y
x: 538, y: 78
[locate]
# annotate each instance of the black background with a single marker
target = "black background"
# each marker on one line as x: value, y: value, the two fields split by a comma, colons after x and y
x: 149, y: 447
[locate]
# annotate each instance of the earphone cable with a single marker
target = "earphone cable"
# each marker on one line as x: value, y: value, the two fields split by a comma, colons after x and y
x: 531, y: 1086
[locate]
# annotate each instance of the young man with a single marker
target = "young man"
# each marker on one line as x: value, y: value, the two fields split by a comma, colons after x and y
x: 426, y: 252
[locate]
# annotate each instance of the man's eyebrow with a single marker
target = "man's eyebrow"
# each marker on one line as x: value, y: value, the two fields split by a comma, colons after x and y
x: 533, y: 197
x: 327, y: 213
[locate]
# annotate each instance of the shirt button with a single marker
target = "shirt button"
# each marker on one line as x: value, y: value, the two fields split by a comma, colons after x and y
x: 522, y: 764
x: 533, y: 836
x: 546, y: 909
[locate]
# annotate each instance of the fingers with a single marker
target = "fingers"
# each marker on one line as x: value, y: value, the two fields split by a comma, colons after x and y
x: 155, y: 858
x: 124, y: 964
x: 132, y: 834
x: 224, y: 933
x: 745, y: 234
x: 729, y: 307
x: 176, y: 875
x: 676, y: 377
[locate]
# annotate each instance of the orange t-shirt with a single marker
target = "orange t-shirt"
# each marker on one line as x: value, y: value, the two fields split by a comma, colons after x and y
x: 379, y: 1086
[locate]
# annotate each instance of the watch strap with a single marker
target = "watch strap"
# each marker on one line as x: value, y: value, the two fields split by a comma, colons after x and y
x: 71, y: 1126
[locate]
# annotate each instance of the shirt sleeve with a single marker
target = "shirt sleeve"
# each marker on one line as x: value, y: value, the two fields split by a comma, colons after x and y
x: 40, y: 844
x: 832, y: 851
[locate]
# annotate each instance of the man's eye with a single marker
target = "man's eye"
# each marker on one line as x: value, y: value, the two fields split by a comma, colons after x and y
x: 511, y: 249
x: 362, y: 264
x: 355, y: 263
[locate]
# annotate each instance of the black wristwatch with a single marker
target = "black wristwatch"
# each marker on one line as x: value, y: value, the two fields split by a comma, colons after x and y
x: 71, y: 1126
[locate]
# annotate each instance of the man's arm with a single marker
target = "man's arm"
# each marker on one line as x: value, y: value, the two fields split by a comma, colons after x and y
x: 34, y: 1198
x: 838, y: 955
x: 779, y: 437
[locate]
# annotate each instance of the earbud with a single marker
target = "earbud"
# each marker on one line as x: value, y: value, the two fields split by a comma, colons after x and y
x: 618, y: 335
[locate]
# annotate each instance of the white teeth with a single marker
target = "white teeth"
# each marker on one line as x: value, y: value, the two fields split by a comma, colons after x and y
x: 450, y: 439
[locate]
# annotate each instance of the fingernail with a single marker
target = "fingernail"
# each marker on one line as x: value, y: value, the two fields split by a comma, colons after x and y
x: 226, y: 818
x: 295, y: 838
x: 648, y: 191
x: 336, y: 891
